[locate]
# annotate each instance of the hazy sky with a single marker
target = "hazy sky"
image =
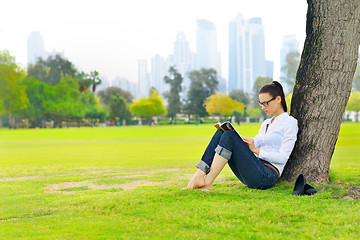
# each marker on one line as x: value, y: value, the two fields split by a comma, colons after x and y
x: 110, y: 36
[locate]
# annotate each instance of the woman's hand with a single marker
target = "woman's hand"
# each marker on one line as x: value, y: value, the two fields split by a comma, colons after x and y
x: 251, y: 144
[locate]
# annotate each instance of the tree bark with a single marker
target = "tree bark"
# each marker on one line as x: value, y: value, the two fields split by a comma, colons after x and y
x: 323, y: 85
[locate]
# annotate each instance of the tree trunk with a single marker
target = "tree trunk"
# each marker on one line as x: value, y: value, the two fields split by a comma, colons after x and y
x: 323, y: 85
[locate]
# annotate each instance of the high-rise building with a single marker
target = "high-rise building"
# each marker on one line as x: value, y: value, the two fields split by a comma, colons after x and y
x: 246, y: 53
x: 126, y: 85
x: 35, y: 48
x: 207, y: 55
x: 182, y: 59
x: 158, y: 72
x: 143, y: 79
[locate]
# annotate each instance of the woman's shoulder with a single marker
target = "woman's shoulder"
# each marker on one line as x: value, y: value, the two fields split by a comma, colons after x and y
x: 288, y: 121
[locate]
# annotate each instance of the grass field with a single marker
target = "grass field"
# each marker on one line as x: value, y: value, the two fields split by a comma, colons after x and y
x: 124, y: 183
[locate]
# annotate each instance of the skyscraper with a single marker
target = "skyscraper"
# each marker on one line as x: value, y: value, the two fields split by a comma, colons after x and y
x: 158, y: 71
x: 35, y: 48
x: 207, y: 55
x: 182, y: 58
x: 246, y: 53
x: 143, y: 80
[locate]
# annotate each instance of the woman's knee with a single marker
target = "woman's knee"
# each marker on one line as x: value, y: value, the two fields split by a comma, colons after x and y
x: 228, y: 137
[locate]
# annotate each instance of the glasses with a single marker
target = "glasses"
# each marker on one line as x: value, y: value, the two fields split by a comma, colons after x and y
x: 266, y: 103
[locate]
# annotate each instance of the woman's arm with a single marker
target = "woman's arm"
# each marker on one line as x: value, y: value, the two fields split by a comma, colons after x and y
x: 251, y: 144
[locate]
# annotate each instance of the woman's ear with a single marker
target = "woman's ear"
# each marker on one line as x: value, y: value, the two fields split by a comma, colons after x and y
x: 278, y: 99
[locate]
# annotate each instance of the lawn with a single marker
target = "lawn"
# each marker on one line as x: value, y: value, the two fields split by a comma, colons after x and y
x: 124, y: 183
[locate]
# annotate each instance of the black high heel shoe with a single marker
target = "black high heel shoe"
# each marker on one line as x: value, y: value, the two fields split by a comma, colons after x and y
x: 301, y: 187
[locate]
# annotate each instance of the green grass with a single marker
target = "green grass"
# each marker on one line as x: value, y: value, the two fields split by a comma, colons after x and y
x: 124, y: 183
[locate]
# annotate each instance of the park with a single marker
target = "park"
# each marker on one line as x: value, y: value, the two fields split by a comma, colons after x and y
x: 124, y: 183
x: 76, y: 163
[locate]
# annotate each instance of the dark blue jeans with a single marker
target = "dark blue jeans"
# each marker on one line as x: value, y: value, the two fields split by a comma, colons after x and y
x: 246, y: 166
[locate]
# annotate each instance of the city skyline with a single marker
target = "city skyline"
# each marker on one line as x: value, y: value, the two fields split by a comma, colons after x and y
x: 121, y: 33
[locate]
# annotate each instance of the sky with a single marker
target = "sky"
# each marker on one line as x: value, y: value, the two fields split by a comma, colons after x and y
x: 110, y: 36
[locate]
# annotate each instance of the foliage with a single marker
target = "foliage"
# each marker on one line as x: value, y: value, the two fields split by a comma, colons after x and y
x: 12, y: 94
x: 240, y: 96
x: 65, y: 101
x: 254, y: 112
x: 86, y: 80
x: 148, y: 107
x: 51, y: 70
x: 289, y: 70
x: 221, y: 105
x: 105, y: 95
x: 203, y: 84
x: 288, y: 101
x: 119, y: 108
x: 92, y: 106
x: 354, y: 102
x: 259, y: 83
x: 116, y: 101
x: 173, y: 95
x: 38, y: 93
x: 356, y: 79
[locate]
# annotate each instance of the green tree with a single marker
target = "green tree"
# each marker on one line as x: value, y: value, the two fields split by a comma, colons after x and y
x: 259, y: 83
x: 12, y: 95
x: 288, y: 71
x: 240, y: 96
x: 220, y: 105
x: 37, y: 93
x: 64, y: 102
x: 354, y: 102
x: 148, y: 107
x: 93, y: 108
x: 52, y: 70
x: 356, y: 79
x: 116, y: 101
x: 105, y: 95
x: 119, y: 108
x: 86, y: 80
x: 203, y: 84
x: 173, y: 95
x: 254, y: 112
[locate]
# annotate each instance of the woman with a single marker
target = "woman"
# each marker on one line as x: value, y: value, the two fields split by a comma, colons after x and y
x: 272, y: 147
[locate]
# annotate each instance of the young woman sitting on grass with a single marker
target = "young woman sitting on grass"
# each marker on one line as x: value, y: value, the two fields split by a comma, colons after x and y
x: 272, y: 146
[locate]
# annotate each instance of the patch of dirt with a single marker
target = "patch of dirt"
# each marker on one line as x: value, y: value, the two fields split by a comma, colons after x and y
x: 13, y: 179
x: 105, y: 172
x: 9, y: 219
x: 61, y: 187
x: 342, y: 184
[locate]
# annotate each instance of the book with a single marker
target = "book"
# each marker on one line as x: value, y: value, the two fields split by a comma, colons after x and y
x: 227, y: 126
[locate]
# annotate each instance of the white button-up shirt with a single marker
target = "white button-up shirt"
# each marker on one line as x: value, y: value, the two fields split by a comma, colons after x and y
x: 277, y: 142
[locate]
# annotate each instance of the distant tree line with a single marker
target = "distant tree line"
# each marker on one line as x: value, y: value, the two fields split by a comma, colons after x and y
x: 52, y: 90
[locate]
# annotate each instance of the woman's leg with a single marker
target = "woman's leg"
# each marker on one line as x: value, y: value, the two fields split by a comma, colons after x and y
x: 245, y: 165
x: 198, y: 180
x: 217, y: 166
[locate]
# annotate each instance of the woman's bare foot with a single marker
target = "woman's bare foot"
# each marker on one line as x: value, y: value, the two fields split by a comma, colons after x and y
x: 197, y: 181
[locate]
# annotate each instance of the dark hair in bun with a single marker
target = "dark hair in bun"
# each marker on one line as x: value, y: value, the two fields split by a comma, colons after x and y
x: 275, y: 89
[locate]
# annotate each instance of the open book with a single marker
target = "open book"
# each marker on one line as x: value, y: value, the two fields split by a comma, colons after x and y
x: 225, y: 126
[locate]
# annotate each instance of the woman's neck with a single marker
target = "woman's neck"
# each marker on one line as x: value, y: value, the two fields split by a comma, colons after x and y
x: 276, y: 114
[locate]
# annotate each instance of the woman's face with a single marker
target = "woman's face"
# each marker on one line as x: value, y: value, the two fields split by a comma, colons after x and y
x: 270, y: 104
